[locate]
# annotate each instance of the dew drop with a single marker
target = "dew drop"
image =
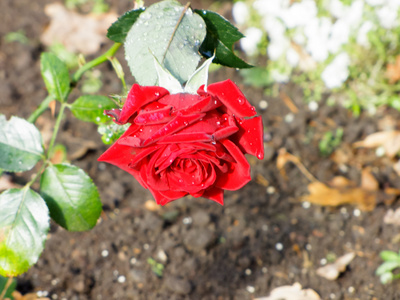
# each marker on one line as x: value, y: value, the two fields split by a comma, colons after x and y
x: 157, y: 94
x: 201, y: 25
x: 218, y: 122
x: 196, y: 42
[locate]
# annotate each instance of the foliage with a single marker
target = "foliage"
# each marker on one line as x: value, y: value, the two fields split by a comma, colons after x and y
x: 386, y: 270
x: 330, y: 142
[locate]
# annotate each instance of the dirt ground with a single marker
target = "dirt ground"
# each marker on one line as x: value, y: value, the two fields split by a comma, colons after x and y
x: 262, y: 238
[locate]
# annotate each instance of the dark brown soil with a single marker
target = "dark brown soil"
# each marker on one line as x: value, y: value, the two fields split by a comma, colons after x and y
x: 209, y: 251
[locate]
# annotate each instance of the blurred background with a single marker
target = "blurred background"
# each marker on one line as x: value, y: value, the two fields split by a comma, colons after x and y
x: 326, y: 82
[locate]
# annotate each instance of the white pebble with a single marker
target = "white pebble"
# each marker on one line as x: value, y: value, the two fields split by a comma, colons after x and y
x: 271, y: 190
x: 380, y: 151
x: 187, y: 220
x: 263, y: 104
x: 289, y: 118
x: 323, y: 261
x: 104, y: 253
x: 250, y: 289
x: 306, y: 204
x: 351, y: 289
x: 356, y: 212
x: 343, y: 211
x: 279, y: 246
x: 313, y: 106
x: 146, y: 246
x: 264, y: 227
x: 133, y: 261
x: 308, y: 247
x: 121, y: 279
x: 247, y: 272
x: 332, y: 296
x: 162, y: 256
x: 264, y: 270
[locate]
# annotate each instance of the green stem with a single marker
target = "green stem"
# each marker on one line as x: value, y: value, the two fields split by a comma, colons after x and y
x: 8, y: 283
x: 95, y: 62
x: 56, y: 127
x: 41, y: 109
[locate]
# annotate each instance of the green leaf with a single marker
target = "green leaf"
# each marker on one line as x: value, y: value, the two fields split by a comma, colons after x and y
x: 386, y: 277
x: 387, y: 266
x: 24, y: 223
x: 71, y: 196
x: 20, y: 144
x: 172, y: 35
x: 4, y: 281
x: 90, y: 108
x: 55, y: 76
x: 199, y: 78
x: 112, y: 132
x: 119, y: 29
x: 390, y: 256
x: 221, y: 35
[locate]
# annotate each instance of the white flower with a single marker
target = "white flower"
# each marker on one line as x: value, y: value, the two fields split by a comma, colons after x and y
x: 292, y: 57
x: 274, y: 27
x: 354, y: 14
x: 387, y: 17
x: 375, y: 2
x: 270, y: 7
x: 362, y: 34
x: 252, y: 37
x: 394, y: 4
x: 299, y: 13
x: 336, y: 8
x: 339, y: 35
x: 317, y: 32
x: 279, y: 77
x: 337, y: 71
x: 240, y: 12
x: 277, y: 47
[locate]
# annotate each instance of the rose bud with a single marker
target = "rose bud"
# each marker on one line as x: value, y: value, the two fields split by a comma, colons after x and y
x: 187, y: 144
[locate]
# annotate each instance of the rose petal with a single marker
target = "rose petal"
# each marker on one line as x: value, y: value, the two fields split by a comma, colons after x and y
x: 238, y: 174
x: 176, y: 124
x: 250, y: 136
x: 224, y: 132
x: 215, y: 194
x: 186, y: 138
x: 232, y: 97
x: 150, y: 117
x: 204, y: 105
x: 137, y: 97
x: 164, y: 197
x: 180, y: 101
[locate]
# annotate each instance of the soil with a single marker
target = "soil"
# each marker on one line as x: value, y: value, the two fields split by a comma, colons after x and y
x: 262, y: 238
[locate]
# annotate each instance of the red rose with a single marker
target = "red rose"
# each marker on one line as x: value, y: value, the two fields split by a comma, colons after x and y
x: 180, y: 144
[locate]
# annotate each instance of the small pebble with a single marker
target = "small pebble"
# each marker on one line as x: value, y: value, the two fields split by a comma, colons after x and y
x: 264, y: 270
x: 104, y: 253
x: 343, y: 211
x: 313, y: 106
x: 351, y: 289
x: 308, y: 247
x: 289, y: 118
x: 264, y: 227
x: 54, y: 281
x: 279, y: 246
x: 306, y: 204
x: 247, y: 272
x: 263, y: 104
x: 271, y: 190
x: 187, y: 220
x: 380, y: 151
x: 356, y: 212
x: 250, y: 289
x: 54, y: 296
x: 332, y: 296
x: 115, y: 273
x: 121, y: 279
x: 146, y: 246
x: 133, y: 261
x: 162, y: 256
x: 323, y: 261
x: 101, y: 166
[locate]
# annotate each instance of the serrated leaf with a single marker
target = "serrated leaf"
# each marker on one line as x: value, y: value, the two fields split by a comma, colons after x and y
x: 90, y: 108
x: 111, y: 132
x: 24, y: 223
x: 20, y: 144
x: 55, y: 76
x: 199, y: 78
x: 119, y: 29
x: 71, y: 196
x: 174, y: 37
x: 10, y: 289
x: 220, y: 38
x: 166, y: 80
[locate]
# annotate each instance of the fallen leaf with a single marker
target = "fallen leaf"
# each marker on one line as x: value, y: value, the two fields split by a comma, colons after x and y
x: 78, y: 33
x: 288, y: 102
x: 392, y: 217
x: 291, y: 292
x: 368, y: 181
x: 393, y: 71
x: 284, y: 157
x: 332, y: 271
x: 341, y: 182
x: 389, y: 140
x: 262, y: 180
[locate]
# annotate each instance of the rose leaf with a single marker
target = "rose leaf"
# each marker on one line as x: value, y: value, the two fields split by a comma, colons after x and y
x: 90, y: 108
x: 119, y: 29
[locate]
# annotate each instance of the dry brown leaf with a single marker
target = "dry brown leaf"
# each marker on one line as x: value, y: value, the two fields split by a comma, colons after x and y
x: 151, y: 205
x: 284, y: 157
x: 368, y: 181
x: 324, y: 195
x: 392, y: 217
x: 389, y: 140
x: 288, y: 102
x: 78, y: 33
x: 291, y: 292
x: 332, y: 271
x: 341, y: 182
x: 393, y: 71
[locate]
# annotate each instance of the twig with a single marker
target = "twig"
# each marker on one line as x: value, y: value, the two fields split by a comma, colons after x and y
x: 175, y: 29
